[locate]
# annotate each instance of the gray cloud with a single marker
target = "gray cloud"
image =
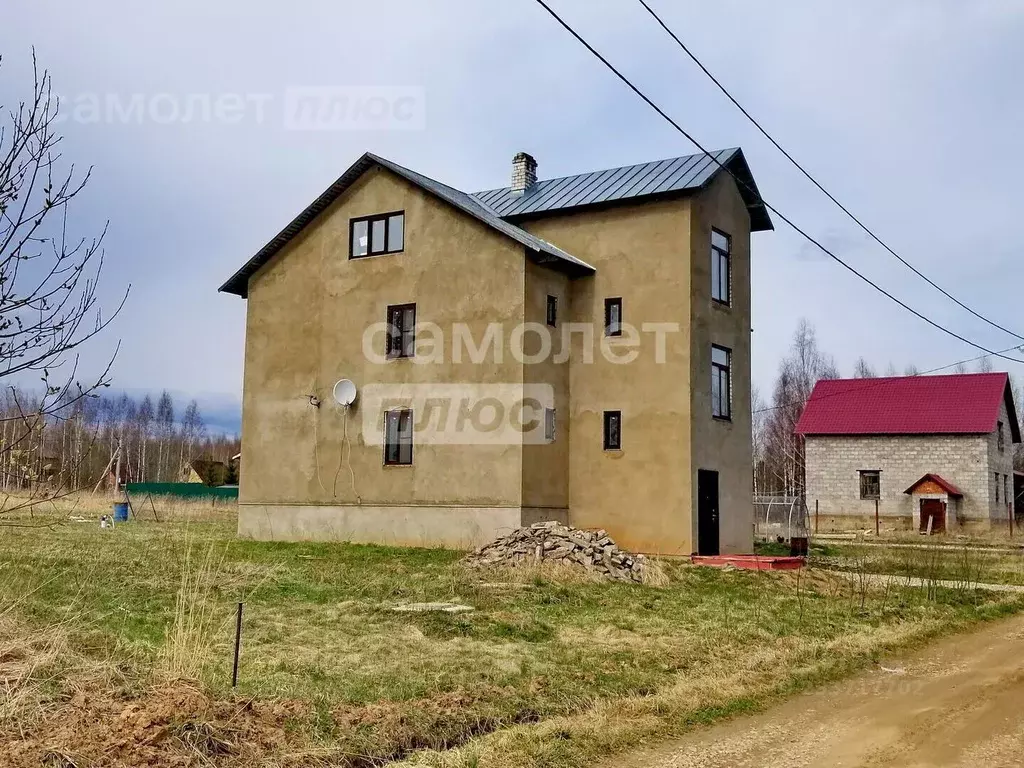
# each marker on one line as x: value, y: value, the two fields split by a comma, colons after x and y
x: 909, y: 113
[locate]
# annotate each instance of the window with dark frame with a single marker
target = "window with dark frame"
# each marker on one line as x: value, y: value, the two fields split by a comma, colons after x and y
x: 613, y: 317
x: 612, y: 430
x: 398, y: 437
x: 549, y: 425
x: 997, y: 487
x: 870, y: 484
x: 401, y: 336
x: 376, y: 235
x: 721, y: 382
x: 1006, y: 488
x: 721, y: 267
x: 1000, y: 438
x: 552, y: 311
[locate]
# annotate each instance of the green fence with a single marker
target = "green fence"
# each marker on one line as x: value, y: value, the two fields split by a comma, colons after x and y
x: 185, y: 490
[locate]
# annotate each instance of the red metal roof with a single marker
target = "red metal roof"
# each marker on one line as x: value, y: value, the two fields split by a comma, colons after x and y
x: 940, y: 481
x: 909, y: 405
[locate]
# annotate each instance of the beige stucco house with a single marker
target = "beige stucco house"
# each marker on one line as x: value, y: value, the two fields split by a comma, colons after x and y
x: 932, y: 453
x: 575, y: 349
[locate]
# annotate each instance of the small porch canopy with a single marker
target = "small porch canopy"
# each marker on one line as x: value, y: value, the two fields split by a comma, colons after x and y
x: 932, y: 483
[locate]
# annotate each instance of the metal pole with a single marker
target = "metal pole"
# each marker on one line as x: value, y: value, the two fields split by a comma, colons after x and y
x: 815, y: 515
x: 1009, y: 510
x: 238, y: 645
x: 877, y: 531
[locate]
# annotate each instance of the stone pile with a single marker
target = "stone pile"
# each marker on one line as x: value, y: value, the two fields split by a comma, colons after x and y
x: 552, y: 542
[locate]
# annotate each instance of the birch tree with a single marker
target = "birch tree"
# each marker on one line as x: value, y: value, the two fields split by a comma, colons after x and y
x: 49, y: 275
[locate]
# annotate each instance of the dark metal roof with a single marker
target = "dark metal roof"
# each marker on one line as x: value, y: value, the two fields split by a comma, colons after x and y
x: 663, y: 177
x: 539, y: 249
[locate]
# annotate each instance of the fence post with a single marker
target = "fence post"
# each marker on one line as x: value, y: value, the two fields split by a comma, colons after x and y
x: 1009, y: 515
x: 815, y: 516
x: 238, y: 643
x: 877, y: 530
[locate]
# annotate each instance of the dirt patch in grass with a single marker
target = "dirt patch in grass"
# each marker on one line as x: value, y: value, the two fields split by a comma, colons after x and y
x: 71, y: 712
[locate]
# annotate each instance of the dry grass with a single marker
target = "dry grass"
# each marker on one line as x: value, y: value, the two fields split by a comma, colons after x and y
x: 186, y: 649
x: 551, y: 668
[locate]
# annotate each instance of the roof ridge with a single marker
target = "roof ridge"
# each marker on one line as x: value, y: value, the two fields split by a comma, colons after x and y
x: 716, y: 152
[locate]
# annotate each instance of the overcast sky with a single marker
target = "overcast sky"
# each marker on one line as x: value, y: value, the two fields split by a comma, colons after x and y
x: 910, y: 112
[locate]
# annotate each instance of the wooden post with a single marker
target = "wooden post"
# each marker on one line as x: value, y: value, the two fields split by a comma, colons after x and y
x: 815, y: 515
x: 152, y: 506
x: 1009, y: 510
x: 117, y: 470
x: 877, y: 528
x: 131, y: 507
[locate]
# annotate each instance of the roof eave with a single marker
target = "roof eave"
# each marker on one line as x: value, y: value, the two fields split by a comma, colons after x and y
x: 238, y: 283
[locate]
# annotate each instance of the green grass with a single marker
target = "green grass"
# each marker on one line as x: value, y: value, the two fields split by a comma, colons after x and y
x: 518, y: 681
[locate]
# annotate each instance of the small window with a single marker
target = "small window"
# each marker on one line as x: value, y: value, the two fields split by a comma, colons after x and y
x: 401, y: 330
x: 374, y: 235
x: 997, y: 487
x: 549, y: 424
x: 613, y: 317
x: 1000, y: 438
x: 721, y: 382
x: 721, y: 267
x: 612, y: 430
x: 870, y: 484
x: 552, y: 313
x: 398, y: 437
x: 1006, y: 488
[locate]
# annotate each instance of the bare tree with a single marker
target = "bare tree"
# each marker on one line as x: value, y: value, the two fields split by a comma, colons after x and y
x: 799, y: 371
x: 164, y: 431
x: 48, y: 276
x: 985, y: 365
x: 960, y: 368
x: 862, y: 370
x: 911, y: 370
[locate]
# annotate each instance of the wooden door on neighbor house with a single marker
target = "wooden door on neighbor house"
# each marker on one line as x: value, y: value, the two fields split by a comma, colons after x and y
x: 707, y: 512
x: 935, y: 511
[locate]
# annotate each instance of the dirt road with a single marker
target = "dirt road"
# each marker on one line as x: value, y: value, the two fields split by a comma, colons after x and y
x: 959, y: 702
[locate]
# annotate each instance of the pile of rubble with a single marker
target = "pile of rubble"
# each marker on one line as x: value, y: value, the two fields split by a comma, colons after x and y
x: 553, y: 542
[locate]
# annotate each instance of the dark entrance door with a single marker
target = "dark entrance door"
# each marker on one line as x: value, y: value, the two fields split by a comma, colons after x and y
x: 707, y: 512
x: 935, y: 511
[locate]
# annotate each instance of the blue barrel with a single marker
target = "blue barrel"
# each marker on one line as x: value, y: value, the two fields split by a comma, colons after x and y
x: 120, y: 512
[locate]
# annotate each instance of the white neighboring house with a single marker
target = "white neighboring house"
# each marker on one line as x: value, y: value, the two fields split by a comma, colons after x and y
x: 933, y: 452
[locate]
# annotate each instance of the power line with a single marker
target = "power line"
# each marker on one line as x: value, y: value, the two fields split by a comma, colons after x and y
x: 764, y: 202
x: 816, y: 183
x: 869, y: 383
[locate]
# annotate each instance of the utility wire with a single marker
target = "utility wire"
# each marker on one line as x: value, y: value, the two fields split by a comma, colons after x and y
x: 816, y: 183
x: 875, y: 382
x: 764, y: 202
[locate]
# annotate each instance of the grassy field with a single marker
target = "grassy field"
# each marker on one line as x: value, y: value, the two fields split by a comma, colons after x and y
x: 940, y: 559
x: 548, y: 669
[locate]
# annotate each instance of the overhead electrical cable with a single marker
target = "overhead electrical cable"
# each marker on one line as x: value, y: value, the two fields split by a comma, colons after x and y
x: 764, y: 202
x: 818, y: 184
x: 875, y: 382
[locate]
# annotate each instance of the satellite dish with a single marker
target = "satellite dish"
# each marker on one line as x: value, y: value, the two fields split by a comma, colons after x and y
x: 344, y: 393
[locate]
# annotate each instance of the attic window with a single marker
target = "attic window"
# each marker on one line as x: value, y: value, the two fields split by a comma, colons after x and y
x: 1001, y: 438
x: 376, y: 235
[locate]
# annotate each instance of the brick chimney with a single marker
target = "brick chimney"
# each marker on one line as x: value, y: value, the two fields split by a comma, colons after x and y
x: 524, y: 173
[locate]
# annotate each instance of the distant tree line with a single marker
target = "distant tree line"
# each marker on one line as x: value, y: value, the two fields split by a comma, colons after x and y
x: 778, y: 451
x: 73, y: 450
